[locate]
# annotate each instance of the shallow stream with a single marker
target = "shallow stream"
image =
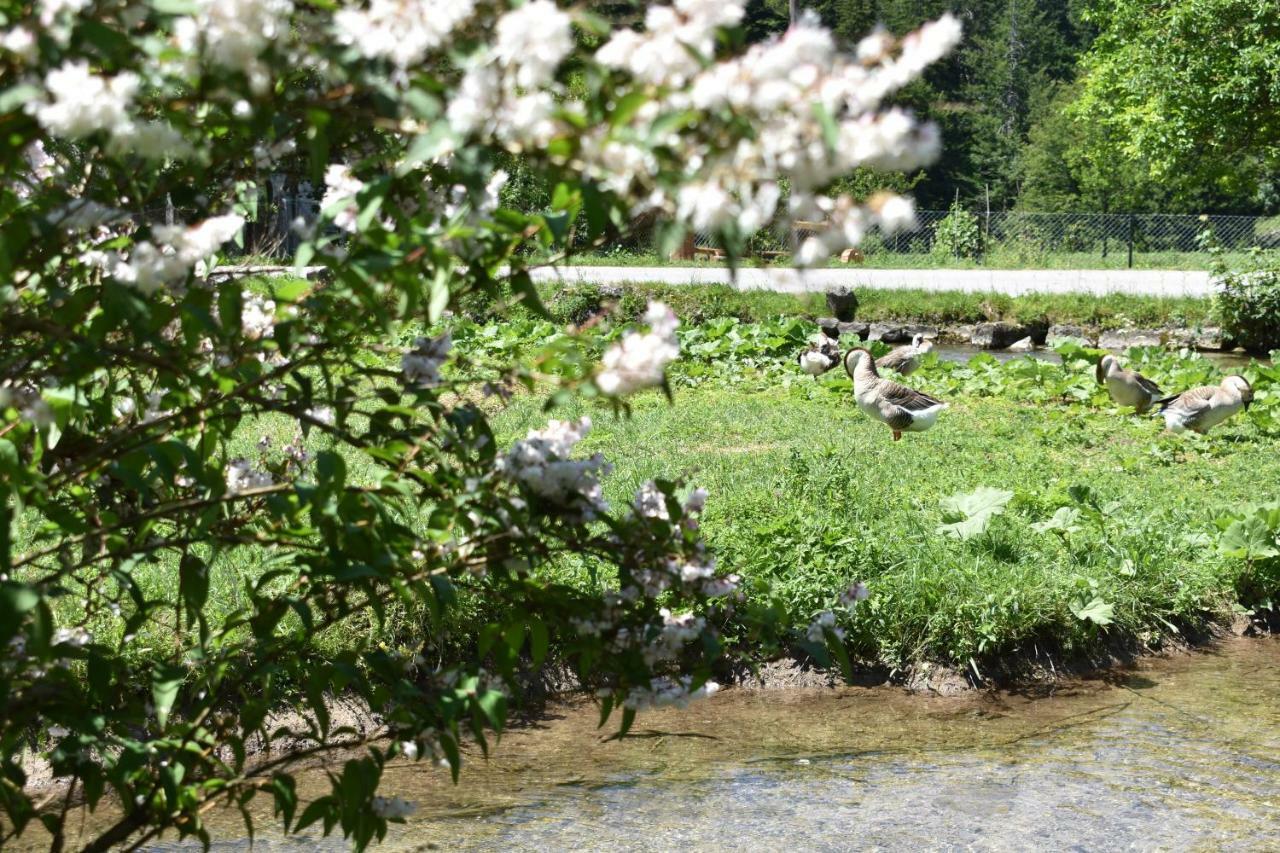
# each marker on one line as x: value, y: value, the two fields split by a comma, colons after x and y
x: 1181, y: 753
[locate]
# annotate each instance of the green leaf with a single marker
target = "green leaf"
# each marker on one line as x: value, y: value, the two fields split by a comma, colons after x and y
x: 1096, y: 611
x: 1063, y: 521
x: 165, y: 682
x: 968, y: 515
x: 1249, y: 538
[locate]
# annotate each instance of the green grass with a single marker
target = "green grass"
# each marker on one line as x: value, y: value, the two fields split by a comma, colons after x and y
x: 698, y: 303
x: 1004, y: 257
x: 807, y: 495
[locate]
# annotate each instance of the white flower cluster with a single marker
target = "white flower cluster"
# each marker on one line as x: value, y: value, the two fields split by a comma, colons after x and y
x: 855, y: 593
x: 676, y: 631
x: 341, y: 188
x: 179, y: 248
x: 257, y: 317
x: 640, y: 360
x: 234, y: 34
x: 21, y: 42
x: 816, y: 114
x: 541, y: 462
x: 507, y: 92
x: 402, y: 32
x: 242, y: 476
x: 421, y: 365
x: 82, y: 103
x: 665, y: 691
x: 392, y: 808
x: 823, y: 622
x: 75, y: 637
x: 667, y: 52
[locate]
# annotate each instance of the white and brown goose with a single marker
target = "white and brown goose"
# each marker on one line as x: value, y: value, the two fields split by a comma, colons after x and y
x: 823, y: 353
x: 1203, y: 408
x: 1127, y: 387
x: 898, y: 407
x: 906, y: 359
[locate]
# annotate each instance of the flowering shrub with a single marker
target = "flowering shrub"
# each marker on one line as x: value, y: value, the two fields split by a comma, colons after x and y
x: 168, y: 578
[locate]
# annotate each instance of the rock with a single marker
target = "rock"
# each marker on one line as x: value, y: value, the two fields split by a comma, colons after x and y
x: 843, y: 302
x: 1003, y: 335
x: 1125, y: 338
x: 1060, y: 333
x: 1209, y: 338
x: 1024, y: 345
x: 846, y: 330
x: 890, y: 333
x: 852, y: 256
x: 962, y: 333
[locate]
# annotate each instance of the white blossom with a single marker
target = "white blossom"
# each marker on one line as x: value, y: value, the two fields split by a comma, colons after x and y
x: 392, y: 808
x: 663, y: 691
x: 75, y: 637
x: 400, y: 31
x: 855, y: 593
x: 242, y: 476
x: 21, y: 42
x: 823, y: 622
x: 640, y: 360
x: 235, y: 33
x: 421, y: 365
x: 541, y: 462
x: 340, y: 187
x: 323, y: 415
x: 650, y: 502
x: 52, y: 10
x: 533, y: 39
x: 896, y: 213
x: 83, y: 103
x: 257, y: 317
x: 149, y: 267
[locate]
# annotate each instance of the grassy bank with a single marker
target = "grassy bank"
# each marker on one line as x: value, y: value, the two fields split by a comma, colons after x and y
x: 1014, y: 257
x: 1110, y: 532
x: 695, y: 304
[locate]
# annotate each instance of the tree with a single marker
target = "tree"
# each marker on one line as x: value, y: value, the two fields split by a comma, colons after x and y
x: 1188, y: 87
x: 221, y: 500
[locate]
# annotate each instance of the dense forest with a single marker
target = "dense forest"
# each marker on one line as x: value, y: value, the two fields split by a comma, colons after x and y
x: 1084, y: 105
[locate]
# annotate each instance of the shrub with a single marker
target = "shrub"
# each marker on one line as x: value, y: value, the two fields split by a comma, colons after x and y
x: 219, y: 501
x: 958, y: 235
x: 1248, y: 297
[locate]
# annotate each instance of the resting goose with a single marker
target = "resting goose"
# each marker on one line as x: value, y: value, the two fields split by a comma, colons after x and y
x: 900, y: 408
x: 1201, y: 409
x: 1127, y: 387
x: 823, y: 354
x: 906, y: 359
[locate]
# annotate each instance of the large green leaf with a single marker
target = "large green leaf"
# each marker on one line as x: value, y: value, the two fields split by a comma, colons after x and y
x: 1095, y: 610
x: 1249, y: 538
x: 968, y: 515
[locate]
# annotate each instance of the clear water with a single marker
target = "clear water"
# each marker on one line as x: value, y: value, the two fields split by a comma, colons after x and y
x: 1173, y: 754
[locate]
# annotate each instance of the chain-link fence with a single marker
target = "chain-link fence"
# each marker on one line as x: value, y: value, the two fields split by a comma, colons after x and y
x: 1118, y: 236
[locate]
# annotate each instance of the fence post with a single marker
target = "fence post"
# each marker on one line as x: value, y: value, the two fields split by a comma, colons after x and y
x: 1132, y: 218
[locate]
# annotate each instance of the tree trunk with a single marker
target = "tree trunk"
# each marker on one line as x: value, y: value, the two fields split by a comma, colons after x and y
x: 795, y: 12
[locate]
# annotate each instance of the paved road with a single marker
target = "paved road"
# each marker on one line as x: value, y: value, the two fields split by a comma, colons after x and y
x: 1010, y: 282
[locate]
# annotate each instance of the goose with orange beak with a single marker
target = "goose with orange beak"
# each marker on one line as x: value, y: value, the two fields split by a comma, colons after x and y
x: 898, y: 407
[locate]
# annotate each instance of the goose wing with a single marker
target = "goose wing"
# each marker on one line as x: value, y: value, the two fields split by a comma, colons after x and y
x: 894, y: 360
x: 910, y: 399
x: 1147, y: 385
x: 1192, y: 403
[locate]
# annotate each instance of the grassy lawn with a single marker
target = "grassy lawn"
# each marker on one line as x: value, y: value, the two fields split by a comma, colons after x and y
x: 1117, y: 311
x: 1003, y: 257
x: 808, y: 495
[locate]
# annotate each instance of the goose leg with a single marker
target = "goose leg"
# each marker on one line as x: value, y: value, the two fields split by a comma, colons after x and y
x: 897, y: 434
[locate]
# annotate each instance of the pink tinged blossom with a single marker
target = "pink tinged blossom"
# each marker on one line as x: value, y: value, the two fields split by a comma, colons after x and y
x: 640, y: 360
x: 82, y: 103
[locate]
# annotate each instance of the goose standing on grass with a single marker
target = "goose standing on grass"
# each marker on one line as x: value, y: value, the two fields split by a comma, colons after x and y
x: 1127, y: 387
x: 898, y: 407
x: 823, y: 354
x: 905, y: 359
x: 1203, y: 408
